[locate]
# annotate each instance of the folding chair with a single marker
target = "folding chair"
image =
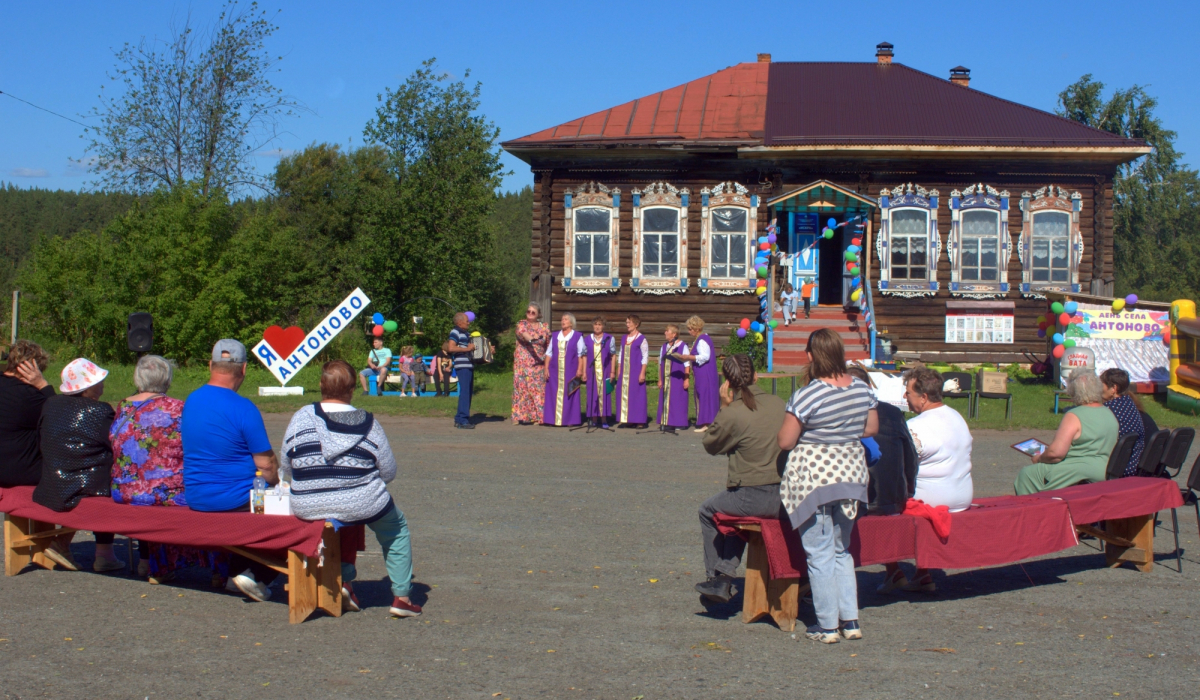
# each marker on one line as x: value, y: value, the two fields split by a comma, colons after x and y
x: 1119, y: 458
x: 1152, y: 456
x: 964, y: 390
x: 1189, y: 496
x: 980, y: 395
x: 1175, y: 452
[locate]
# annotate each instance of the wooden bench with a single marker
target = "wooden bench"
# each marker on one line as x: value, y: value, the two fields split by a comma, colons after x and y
x: 314, y: 582
x: 393, y: 377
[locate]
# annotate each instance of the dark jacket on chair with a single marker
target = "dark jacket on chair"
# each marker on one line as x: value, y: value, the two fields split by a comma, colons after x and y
x: 894, y: 476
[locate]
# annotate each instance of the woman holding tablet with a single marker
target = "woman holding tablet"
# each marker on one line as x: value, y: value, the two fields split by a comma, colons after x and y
x: 1081, y: 447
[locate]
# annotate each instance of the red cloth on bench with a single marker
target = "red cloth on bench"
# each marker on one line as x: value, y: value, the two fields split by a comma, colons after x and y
x: 1119, y: 498
x: 176, y: 525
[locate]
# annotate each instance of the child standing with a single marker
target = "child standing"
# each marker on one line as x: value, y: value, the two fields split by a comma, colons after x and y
x: 788, y: 300
x: 807, y: 290
x: 407, y: 376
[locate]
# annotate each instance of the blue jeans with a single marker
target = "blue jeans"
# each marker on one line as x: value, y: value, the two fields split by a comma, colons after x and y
x: 825, y: 537
x: 466, y: 381
x: 392, y: 532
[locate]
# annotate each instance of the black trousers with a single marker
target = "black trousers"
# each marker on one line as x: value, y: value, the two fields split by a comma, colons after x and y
x: 441, y: 382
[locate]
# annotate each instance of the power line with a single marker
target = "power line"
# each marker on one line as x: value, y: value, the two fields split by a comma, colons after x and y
x: 18, y: 99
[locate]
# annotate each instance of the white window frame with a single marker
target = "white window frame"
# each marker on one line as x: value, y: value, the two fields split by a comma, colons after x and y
x: 592, y: 195
x: 727, y: 195
x: 659, y: 195
x: 1050, y: 199
x: 979, y: 198
x: 893, y: 201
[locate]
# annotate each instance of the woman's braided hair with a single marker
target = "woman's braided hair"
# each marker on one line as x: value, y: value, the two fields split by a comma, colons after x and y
x: 739, y: 372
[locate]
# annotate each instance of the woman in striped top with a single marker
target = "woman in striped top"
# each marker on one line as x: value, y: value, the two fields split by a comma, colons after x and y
x: 826, y: 477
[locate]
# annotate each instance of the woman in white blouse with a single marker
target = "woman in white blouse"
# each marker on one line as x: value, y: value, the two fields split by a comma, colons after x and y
x: 943, y: 443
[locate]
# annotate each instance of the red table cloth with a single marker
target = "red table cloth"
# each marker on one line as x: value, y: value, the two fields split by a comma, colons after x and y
x: 174, y: 525
x: 1119, y: 498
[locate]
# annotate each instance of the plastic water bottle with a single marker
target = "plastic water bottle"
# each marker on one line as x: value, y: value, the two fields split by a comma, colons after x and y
x: 259, y: 494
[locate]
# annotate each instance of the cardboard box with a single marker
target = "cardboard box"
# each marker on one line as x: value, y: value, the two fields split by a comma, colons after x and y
x: 993, y: 382
x: 273, y: 503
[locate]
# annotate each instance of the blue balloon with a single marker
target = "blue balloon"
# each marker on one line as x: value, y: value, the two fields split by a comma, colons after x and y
x: 832, y: 223
x: 756, y: 327
x: 853, y: 248
x: 856, y: 281
x: 1057, y: 338
x: 377, y: 318
x: 763, y: 239
x: 1071, y: 307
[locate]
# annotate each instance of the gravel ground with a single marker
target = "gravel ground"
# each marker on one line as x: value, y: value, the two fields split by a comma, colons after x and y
x: 560, y: 565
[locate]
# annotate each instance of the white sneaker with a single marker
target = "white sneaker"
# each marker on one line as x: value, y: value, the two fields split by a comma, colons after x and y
x: 251, y: 588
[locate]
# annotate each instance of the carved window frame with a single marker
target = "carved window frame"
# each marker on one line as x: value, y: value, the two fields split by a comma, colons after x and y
x: 727, y: 195
x: 891, y: 202
x: 591, y: 195
x: 978, y: 197
x: 1050, y: 199
x: 659, y: 195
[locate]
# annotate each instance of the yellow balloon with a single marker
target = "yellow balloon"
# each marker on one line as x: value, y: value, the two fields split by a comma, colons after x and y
x: 758, y: 337
x: 1118, y: 304
x: 854, y: 296
x: 475, y: 334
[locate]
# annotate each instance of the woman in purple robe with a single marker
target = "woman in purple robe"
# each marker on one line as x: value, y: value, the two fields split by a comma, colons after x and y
x: 600, y: 350
x: 564, y: 361
x: 672, y: 382
x: 705, y: 383
x: 629, y: 369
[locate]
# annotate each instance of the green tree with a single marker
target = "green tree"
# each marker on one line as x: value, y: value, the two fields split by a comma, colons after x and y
x: 431, y: 234
x: 196, y: 109
x: 1157, y: 207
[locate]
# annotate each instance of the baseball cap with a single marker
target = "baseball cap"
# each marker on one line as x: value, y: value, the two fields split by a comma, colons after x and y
x: 80, y: 374
x: 236, y: 351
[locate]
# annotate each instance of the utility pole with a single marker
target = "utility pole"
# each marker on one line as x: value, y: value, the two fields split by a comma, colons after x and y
x: 16, y: 311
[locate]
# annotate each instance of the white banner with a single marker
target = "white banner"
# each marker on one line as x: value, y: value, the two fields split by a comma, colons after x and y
x: 284, y: 368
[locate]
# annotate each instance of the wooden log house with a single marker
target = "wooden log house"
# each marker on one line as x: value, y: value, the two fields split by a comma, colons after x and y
x: 970, y: 207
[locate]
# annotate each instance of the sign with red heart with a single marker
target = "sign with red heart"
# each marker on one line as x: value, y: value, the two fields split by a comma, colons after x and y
x: 285, y: 351
x: 284, y: 340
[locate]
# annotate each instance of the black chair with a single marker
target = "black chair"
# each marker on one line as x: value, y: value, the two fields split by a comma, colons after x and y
x: 964, y: 390
x: 1152, y: 455
x: 1119, y: 458
x: 1189, y: 496
x: 1175, y: 452
x: 980, y: 395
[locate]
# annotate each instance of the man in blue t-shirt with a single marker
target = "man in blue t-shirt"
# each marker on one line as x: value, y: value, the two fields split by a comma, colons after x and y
x: 224, y: 443
x: 460, y: 346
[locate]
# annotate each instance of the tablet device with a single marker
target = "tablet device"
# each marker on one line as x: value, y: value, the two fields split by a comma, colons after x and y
x: 1031, y: 447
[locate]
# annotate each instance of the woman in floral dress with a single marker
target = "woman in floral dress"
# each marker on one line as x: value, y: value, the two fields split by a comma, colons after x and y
x: 148, y: 466
x: 529, y: 374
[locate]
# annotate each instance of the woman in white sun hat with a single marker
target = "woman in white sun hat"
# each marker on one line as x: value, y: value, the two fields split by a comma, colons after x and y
x: 76, y: 454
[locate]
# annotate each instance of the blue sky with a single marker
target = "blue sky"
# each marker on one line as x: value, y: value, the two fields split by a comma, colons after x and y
x: 543, y: 63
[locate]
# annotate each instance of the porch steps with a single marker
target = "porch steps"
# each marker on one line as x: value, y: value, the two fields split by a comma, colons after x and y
x: 791, y: 340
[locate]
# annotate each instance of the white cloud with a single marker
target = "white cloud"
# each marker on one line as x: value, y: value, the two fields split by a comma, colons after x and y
x: 276, y: 153
x: 80, y: 167
x: 29, y: 172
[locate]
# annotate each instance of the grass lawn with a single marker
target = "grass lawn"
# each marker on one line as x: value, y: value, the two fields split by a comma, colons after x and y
x: 1033, y: 404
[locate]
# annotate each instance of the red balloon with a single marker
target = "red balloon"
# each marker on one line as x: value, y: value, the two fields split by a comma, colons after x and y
x: 1058, y: 351
x: 855, y: 241
x: 377, y: 331
x: 745, y: 323
x: 850, y: 266
x: 764, y: 246
x: 1042, y: 325
x: 1064, y: 319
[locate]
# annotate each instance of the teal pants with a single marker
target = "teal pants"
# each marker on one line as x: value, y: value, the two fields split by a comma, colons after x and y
x: 392, y: 532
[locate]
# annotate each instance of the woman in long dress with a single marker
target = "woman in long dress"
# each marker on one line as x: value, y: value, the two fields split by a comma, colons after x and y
x: 673, y: 382
x: 529, y: 370
x: 629, y: 370
x: 565, y: 362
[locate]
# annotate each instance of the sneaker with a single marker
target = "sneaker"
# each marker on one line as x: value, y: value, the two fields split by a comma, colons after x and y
x: 162, y: 578
x: 230, y: 586
x: 464, y: 426
x: 718, y: 588
x: 818, y: 633
x: 349, y: 600
x: 851, y: 630
x: 921, y: 585
x: 104, y: 564
x: 61, y: 554
x: 892, y: 582
x: 401, y: 609
x: 701, y: 430
x: 143, y: 569
x: 251, y: 588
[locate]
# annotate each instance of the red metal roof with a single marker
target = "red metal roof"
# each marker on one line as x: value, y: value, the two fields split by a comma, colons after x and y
x: 727, y: 105
x: 834, y: 104
x: 868, y: 104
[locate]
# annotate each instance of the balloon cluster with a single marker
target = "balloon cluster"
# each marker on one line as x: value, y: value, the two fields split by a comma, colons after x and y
x: 1061, y: 316
x: 754, y: 329
x: 767, y: 245
x: 382, y: 326
x: 1119, y: 304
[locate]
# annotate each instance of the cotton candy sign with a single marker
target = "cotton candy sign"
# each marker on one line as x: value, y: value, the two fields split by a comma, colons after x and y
x: 285, y: 365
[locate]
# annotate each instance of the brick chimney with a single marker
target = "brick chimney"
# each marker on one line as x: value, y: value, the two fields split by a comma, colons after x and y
x: 764, y: 58
x: 883, y: 54
x: 960, y: 76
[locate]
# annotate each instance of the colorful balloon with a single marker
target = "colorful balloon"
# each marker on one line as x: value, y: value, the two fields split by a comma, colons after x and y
x: 758, y: 337
x: 1117, y: 305
x: 377, y: 318
x: 745, y: 323
x: 1057, y: 338
x: 761, y: 270
x: 1056, y: 308
x: 856, y: 241
x: 856, y: 295
x: 1058, y: 351
x: 470, y: 317
x: 1131, y: 300
x: 1069, y: 343
x: 764, y: 246
x: 1043, y: 319
x: 1042, y: 325
x: 771, y: 238
x: 1064, y: 320
x: 831, y: 223
x: 854, y: 269
x: 853, y: 248
x: 850, y: 256
x: 1071, y: 307
x: 773, y: 323
x: 741, y: 332
x: 1041, y: 332
x: 390, y: 326
x: 828, y: 233
x: 377, y: 331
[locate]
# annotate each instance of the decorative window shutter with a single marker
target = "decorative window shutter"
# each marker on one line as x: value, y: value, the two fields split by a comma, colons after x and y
x: 1050, y: 198
x: 727, y: 194
x: 591, y: 194
x: 659, y: 195
x: 890, y: 201
x: 978, y: 197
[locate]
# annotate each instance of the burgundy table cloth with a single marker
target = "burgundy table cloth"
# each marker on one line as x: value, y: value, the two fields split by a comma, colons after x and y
x: 174, y: 525
x: 1119, y: 498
